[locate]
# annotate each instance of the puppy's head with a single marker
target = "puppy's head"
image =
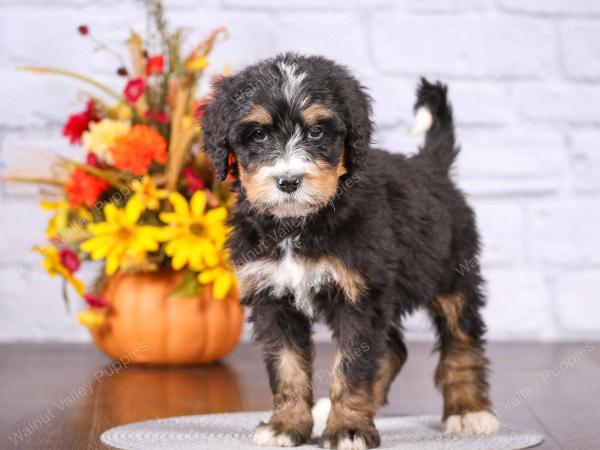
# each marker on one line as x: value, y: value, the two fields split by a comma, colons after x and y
x: 295, y: 125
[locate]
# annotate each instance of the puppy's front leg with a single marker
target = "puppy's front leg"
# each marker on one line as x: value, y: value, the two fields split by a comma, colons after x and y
x: 285, y: 337
x: 353, y: 390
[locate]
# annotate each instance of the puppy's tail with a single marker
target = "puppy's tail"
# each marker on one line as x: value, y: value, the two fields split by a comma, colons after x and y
x: 433, y: 114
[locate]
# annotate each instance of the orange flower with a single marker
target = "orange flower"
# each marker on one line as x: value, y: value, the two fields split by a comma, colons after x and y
x: 84, y: 188
x: 136, y: 150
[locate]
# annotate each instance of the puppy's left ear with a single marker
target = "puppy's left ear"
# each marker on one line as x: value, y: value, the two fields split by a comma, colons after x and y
x: 358, y: 122
x: 215, y: 125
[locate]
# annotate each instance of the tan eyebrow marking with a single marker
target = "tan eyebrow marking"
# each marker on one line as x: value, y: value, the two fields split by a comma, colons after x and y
x: 258, y: 114
x: 314, y: 113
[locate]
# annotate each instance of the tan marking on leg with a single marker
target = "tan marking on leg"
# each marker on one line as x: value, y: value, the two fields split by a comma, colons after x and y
x: 293, y: 399
x: 450, y: 308
x: 461, y: 375
x: 351, y: 409
x: 389, y: 366
x: 258, y: 114
x: 314, y: 113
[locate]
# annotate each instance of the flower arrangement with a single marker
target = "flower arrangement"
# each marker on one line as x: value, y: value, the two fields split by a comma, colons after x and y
x: 142, y: 196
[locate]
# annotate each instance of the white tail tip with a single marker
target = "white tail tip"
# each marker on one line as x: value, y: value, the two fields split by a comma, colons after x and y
x: 423, y: 121
x: 320, y: 411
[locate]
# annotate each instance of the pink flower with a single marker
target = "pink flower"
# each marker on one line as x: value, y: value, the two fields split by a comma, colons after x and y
x: 69, y: 259
x: 95, y: 301
x: 134, y: 90
x: 192, y: 179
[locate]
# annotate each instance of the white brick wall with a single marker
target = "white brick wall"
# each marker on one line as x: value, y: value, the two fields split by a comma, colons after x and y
x: 524, y: 76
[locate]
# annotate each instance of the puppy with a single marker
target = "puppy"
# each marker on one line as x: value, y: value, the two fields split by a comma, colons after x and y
x: 328, y: 228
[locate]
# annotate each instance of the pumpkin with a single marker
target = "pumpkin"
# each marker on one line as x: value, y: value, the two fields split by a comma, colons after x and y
x: 145, y: 324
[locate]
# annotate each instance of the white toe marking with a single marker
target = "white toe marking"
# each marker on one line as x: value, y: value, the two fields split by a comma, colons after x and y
x: 320, y: 411
x: 264, y: 436
x: 326, y: 444
x: 423, y: 120
x: 283, y: 440
x: 474, y: 423
x: 453, y: 424
x: 357, y: 443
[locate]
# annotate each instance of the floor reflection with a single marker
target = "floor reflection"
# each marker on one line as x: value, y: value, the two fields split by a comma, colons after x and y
x: 138, y: 393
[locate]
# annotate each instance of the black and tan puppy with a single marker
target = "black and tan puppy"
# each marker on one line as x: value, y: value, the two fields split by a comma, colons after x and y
x: 328, y: 228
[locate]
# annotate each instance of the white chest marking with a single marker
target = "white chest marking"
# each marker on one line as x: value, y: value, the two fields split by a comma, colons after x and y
x: 291, y: 274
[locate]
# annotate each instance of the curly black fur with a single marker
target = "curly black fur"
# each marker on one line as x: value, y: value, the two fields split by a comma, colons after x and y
x: 399, y: 222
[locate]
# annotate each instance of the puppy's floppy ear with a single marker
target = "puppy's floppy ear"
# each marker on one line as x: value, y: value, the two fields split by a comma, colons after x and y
x: 215, y: 126
x: 358, y: 122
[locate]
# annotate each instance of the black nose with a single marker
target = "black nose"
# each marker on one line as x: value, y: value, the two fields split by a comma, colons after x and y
x: 289, y: 183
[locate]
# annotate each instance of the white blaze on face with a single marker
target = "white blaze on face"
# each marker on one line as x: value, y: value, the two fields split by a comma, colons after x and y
x: 292, y: 83
x: 291, y: 160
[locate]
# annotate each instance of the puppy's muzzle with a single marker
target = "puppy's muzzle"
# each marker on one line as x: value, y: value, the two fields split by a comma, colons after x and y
x: 289, y: 183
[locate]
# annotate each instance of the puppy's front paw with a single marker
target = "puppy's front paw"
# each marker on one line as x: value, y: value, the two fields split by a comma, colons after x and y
x: 350, y: 439
x: 473, y: 423
x: 272, y: 435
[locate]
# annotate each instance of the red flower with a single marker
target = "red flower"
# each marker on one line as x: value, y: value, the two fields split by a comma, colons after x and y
x: 160, y: 117
x: 231, y: 160
x: 84, y: 188
x: 69, y: 259
x: 91, y: 159
x: 200, y: 110
x: 83, y: 29
x: 192, y: 179
x: 95, y: 301
x: 154, y: 64
x: 79, y: 123
x: 134, y: 90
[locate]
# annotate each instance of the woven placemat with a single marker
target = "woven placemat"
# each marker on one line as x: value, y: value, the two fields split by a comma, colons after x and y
x: 234, y: 432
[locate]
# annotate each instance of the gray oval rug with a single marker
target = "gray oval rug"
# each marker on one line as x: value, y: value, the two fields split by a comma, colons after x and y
x: 234, y: 432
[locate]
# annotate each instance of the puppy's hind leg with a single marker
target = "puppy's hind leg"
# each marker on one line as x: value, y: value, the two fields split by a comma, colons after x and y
x: 390, y: 364
x: 461, y: 373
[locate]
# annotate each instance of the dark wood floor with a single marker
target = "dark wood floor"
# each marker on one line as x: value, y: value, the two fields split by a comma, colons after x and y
x: 60, y: 396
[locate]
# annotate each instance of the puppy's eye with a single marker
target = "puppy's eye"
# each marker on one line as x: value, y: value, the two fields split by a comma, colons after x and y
x: 259, y: 135
x: 315, y: 132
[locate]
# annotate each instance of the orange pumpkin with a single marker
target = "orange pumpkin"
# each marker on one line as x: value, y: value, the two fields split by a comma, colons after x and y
x: 144, y: 324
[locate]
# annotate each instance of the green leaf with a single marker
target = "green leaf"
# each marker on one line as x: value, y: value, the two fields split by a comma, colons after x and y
x: 65, y: 295
x: 188, y: 287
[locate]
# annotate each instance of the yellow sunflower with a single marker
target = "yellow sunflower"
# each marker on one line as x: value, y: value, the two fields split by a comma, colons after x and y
x: 54, y: 266
x: 90, y: 318
x: 221, y: 278
x: 195, y: 236
x: 60, y: 220
x: 197, y: 63
x: 62, y: 225
x: 147, y: 194
x: 120, y: 239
